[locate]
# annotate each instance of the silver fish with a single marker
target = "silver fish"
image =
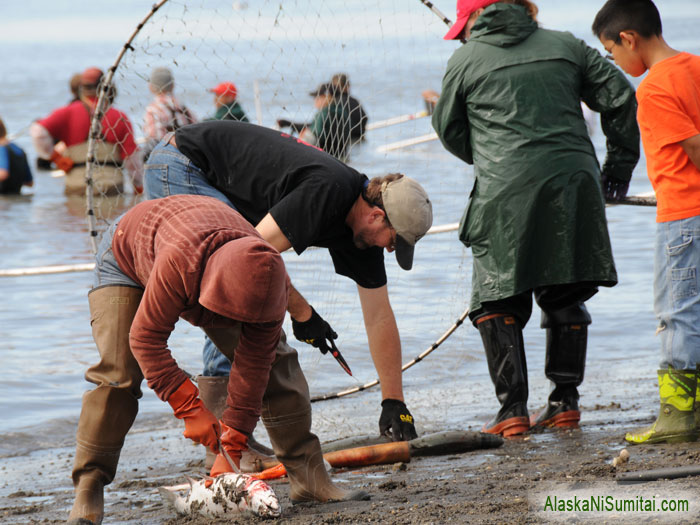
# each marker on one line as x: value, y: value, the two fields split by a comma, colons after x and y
x: 228, y: 494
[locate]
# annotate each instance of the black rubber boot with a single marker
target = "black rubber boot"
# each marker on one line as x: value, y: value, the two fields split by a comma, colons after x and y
x: 505, y: 354
x: 564, y: 366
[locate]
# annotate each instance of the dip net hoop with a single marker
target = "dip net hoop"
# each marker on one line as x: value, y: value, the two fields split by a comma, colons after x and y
x: 276, y: 54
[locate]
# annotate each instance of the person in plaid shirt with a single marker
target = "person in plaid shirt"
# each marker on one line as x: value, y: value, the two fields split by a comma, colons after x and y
x: 165, y: 113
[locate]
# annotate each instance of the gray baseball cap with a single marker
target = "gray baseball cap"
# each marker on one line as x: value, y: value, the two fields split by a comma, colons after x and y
x: 410, y: 212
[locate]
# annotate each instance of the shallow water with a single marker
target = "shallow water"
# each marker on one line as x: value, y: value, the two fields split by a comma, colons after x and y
x: 45, y: 339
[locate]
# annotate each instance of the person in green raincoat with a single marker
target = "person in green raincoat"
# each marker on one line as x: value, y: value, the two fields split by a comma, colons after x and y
x: 331, y: 128
x: 511, y: 106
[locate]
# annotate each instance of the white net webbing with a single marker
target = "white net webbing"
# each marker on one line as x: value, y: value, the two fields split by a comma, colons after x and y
x: 276, y: 53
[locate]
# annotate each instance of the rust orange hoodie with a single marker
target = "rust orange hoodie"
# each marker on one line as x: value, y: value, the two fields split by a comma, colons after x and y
x: 202, y: 261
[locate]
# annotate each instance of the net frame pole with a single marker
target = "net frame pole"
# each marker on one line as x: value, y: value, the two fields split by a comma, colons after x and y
x: 439, y: 14
x: 258, y: 104
x: 406, y: 366
x: 96, y: 126
x: 435, y: 10
x: 633, y: 200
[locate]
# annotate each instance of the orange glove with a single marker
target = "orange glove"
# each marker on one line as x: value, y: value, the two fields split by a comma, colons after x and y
x: 200, y: 424
x: 235, y: 443
x: 61, y: 162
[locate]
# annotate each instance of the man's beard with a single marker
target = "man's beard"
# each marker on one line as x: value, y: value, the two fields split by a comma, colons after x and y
x: 360, y: 242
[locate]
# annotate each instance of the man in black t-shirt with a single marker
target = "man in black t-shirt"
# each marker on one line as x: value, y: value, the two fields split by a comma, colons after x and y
x: 298, y: 196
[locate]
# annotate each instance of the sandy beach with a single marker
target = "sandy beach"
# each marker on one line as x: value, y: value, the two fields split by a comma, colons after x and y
x: 392, y: 50
x: 503, y: 485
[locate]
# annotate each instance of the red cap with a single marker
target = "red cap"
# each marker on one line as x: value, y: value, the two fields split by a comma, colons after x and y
x: 91, y: 76
x: 225, y: 88
x: 465, y: 8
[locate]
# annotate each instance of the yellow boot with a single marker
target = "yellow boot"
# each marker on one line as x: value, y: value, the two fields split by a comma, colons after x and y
x: 676, y: 421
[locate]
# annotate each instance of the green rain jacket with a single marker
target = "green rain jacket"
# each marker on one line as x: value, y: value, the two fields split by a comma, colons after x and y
x: 232, y: 111
x: 511, y: 105
x: 332, y: 128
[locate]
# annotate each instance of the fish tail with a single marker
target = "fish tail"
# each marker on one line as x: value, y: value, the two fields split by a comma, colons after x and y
x: 168, y: 496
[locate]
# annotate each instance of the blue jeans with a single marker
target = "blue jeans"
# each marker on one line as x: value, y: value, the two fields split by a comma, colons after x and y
x: 676, y: 298
x: 107, y: 271
x: 169, y: 172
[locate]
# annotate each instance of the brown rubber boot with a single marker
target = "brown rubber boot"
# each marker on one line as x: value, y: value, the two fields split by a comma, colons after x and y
x: 88, y: 508
x: 109, y: 410
x: 287, y: 416
x: 213, y: 391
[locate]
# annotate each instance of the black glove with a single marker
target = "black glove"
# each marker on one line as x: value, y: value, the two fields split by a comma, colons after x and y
x: 315, y: 331
x: 396, y: 422
x: 614, y: 189
x: 282, y: 123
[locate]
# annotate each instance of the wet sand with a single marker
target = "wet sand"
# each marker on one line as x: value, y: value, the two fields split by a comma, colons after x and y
x: 503, y: 485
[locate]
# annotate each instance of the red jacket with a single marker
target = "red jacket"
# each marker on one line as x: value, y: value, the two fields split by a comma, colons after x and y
x: 71, y: 124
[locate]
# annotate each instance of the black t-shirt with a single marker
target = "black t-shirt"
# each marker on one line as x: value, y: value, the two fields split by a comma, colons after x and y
x: 308, y: 192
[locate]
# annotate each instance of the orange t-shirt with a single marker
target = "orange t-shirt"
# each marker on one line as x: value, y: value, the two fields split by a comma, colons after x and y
x: 669, y: 112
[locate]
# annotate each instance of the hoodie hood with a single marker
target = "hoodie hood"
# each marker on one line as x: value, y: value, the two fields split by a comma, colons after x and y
x: 503, y: 25
x: 245, y: 279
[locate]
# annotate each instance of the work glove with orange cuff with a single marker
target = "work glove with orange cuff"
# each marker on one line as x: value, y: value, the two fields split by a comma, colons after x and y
x: 234, y: 442
x: 61, y: 162
x: 396, y: 422
x: 201, y: 425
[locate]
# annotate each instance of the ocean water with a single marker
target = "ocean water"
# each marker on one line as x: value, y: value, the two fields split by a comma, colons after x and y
x: 45, y: 339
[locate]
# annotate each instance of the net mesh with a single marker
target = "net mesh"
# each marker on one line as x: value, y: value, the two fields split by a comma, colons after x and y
x: 277, y: 54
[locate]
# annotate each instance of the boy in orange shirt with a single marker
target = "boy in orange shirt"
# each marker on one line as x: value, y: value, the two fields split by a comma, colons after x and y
x: 669, y: 121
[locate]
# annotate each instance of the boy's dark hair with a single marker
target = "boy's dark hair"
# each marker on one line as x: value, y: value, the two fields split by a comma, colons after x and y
x: 3, y: 131
x: 627, y: 15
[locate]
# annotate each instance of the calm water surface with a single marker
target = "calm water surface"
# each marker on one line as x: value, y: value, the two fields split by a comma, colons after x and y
x: 45, y: 339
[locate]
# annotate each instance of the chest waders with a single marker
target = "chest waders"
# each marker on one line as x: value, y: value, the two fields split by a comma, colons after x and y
x: 109, y: 410
x: 286, y: 413
x: 213, y: 391
x: 107, y: 176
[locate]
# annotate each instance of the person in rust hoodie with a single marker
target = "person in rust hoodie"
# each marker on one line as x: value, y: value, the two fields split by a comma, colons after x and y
x: 188, y: 257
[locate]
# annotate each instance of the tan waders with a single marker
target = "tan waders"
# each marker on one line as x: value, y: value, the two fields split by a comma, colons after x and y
x: 108, y: 410
x: 107, y: 178
x: 213, y: 391
x: 286, y: 414
x: 676, y: 420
